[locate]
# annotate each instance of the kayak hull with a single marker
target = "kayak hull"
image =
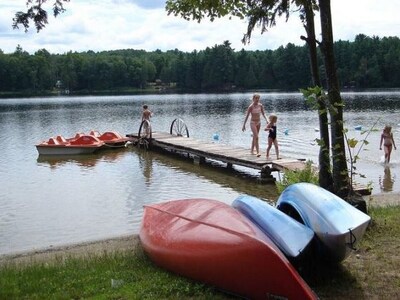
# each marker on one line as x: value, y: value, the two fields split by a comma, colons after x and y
x: 338, y: 225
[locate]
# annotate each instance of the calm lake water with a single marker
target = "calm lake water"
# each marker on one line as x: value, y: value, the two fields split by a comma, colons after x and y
x: 50, y: 202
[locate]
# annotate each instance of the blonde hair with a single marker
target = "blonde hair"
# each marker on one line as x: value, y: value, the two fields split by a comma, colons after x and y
x: 273, y: 118
x: 387, y: 128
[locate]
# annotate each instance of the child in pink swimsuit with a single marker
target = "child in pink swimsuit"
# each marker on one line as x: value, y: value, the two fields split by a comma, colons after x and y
x: 255, y: 109
x: 388, y: 142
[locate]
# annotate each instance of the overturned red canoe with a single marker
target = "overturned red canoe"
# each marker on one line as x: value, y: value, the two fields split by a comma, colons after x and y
x: 210, y: 241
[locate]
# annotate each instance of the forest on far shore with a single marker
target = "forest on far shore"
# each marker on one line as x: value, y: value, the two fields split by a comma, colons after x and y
x: 366, y: 62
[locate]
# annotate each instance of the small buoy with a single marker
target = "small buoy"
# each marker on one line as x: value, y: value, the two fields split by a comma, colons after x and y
x: 286, y: 132
x: 316, y: 129
x: 359, y: 127
x: 215, y: 136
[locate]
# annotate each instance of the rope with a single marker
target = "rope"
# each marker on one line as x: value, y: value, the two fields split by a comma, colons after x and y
x: 353, y: 240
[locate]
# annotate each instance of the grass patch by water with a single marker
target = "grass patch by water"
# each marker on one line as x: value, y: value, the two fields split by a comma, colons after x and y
x: 369, y: 273
x: 127, y: 275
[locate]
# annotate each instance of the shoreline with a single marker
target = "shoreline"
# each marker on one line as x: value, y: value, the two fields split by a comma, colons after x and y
x: 75, y: 250
x: 129, y: 242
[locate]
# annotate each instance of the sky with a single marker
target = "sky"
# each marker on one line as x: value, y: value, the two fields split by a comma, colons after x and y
x: 145, y: 25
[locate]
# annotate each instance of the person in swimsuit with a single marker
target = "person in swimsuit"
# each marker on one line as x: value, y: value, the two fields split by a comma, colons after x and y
x: 388, y: 142
x: 255, y: 110
x: 271, y: 127
x: 146, y: 113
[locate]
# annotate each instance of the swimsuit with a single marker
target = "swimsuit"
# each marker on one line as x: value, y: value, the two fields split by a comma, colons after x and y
x: 387, y: 139
x: 256, y: 109
x: 272, y: 133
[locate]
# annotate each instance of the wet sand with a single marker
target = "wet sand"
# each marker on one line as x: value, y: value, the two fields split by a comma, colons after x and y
x: 130, y: 242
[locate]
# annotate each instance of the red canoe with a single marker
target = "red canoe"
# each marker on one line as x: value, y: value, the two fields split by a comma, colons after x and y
x: 210, y: 241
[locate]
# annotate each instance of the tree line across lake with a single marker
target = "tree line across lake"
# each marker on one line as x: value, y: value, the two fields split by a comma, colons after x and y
x: 367, y: 62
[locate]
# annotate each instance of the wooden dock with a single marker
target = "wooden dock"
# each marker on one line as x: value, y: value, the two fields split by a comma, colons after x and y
x: 231, y: 155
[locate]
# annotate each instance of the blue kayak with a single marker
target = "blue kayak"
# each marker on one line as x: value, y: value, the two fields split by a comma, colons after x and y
x: 338, y: 225
x: 290, y: 236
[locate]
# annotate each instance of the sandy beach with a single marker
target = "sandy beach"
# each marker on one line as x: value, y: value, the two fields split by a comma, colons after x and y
x: 131, y: 242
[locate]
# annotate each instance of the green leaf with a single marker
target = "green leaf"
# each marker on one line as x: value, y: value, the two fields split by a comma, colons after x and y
x: 352, y: 142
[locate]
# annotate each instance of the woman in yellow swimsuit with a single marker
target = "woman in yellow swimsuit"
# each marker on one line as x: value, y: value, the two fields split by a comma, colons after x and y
x: 255, y: 110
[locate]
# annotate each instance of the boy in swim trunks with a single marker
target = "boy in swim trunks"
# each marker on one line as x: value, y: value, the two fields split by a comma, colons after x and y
x: 255, y: 109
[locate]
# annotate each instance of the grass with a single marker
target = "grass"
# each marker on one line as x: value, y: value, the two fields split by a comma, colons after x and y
x: 121, y: 275
x: 369, y: 273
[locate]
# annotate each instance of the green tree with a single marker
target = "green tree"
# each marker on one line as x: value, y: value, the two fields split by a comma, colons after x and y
x: 251, y: 80
x: 42, y: 71
x: 37, y: 14
x: 324, y: 175
x: 218, y: 69
x: 242, y: 65
x: 339, y: 165
x: 194, y: 71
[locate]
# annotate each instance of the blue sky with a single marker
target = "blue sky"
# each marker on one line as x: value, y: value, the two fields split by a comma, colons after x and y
x: 121, y: 24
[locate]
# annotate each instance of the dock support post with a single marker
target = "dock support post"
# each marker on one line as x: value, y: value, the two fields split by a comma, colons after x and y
x: 266, y: 174
x: 198, y: 160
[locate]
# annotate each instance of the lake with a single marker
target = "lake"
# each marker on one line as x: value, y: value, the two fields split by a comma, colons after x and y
x: 48, y: 202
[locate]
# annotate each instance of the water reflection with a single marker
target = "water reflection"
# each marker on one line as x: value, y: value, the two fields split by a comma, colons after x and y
x: 82, y: 160
x: 146, y: 165
x: 241, y: 180
x: 387, y: 180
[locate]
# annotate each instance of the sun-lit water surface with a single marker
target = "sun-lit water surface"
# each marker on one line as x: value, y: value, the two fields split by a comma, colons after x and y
x: 57, y: 201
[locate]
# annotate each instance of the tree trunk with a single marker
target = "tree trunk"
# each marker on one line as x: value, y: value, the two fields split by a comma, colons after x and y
x: 339, y: 164
x: 325, y: 175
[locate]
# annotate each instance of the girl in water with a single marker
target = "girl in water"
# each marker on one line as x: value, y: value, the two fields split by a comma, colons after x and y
x: 388, y: 142
x: 255, y: 110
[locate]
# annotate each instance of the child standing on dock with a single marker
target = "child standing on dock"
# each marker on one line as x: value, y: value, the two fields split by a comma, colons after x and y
x: 271, y: 127
x: 146, y: 113
x: 255, y: 109
x: 388, y: 142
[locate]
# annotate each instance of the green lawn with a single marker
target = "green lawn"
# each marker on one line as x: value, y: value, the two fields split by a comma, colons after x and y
x: 369, y: 273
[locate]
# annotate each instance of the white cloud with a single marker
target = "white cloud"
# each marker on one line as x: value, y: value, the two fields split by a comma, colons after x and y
x: 121, y: 24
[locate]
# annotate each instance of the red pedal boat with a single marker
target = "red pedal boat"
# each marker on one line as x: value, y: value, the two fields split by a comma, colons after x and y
x: 110, y: 138
x: 80, y: 144
x: 210, y: 241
